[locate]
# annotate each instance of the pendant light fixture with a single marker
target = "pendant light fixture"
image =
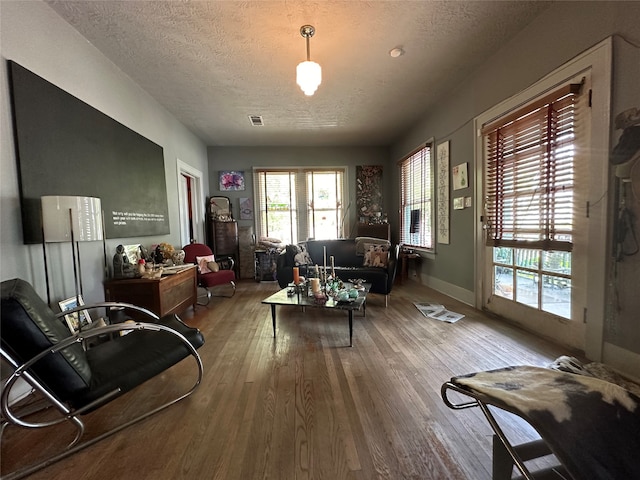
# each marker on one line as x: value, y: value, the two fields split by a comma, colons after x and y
x: 309, y: 74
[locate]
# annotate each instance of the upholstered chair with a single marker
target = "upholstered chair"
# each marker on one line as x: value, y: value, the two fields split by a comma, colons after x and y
x: 212, y: 272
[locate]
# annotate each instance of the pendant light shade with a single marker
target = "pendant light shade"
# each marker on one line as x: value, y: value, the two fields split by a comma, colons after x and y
x: 308, y: 74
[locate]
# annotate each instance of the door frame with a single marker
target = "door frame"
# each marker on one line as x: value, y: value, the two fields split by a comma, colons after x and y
x: 197, y: 202
x: 598, y: 59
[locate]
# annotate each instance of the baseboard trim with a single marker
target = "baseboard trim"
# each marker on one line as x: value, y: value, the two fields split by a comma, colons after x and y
x: 624, y: 361
x: 460, y: 294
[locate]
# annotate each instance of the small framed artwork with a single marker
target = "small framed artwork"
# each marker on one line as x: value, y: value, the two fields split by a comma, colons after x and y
x: 131, y: 251
x: 458, y: 203
x: 246, y: 208
x: 76, y: 320
x: 460, y: 176
x: 231, y: 180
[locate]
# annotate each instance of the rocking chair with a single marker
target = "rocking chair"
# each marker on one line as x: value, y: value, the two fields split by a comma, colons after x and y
x: 74, y: 379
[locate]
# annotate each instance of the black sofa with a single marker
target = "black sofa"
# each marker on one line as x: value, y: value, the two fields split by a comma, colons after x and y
x: 348, y: 260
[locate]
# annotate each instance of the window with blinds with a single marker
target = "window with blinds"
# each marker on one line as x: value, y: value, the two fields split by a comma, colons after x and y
x: 530, y: 174
x: 324, y: 204
x: 276, y: 200
x: 416, y: 199
x: 284, y: 193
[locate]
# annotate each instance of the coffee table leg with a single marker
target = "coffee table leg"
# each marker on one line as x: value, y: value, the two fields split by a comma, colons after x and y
x: 351, y: 328
x: 273, y: 319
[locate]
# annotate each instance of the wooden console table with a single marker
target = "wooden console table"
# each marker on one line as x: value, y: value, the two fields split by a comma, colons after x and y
x: 165, y: 295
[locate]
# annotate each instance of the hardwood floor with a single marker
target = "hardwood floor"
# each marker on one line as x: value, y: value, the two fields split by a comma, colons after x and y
x: 305, y: 405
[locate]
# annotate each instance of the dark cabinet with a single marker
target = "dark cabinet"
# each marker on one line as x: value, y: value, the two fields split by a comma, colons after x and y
x: 376, y: 230
x: 224, y: 240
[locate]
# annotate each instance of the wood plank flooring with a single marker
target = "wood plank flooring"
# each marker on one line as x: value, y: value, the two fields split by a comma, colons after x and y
x: 304, y: 405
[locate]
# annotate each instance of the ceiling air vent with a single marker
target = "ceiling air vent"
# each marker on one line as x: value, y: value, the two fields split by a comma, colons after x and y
x: 256, y: 120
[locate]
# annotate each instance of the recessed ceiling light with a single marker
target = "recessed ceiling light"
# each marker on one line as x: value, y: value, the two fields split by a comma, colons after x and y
x: 396, y: 52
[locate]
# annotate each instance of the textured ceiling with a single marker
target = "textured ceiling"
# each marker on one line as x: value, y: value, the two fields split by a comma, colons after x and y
x: 214, y: 63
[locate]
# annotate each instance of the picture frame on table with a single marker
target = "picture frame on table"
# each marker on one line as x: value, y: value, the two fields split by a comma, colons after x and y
x: 77, y: 320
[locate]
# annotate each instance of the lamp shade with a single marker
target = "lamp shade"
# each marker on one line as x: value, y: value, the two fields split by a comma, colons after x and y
x: 308, y: 76
x: 86, y: 218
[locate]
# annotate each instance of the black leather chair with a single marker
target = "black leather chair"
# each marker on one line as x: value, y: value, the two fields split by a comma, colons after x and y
x: 76, y: 380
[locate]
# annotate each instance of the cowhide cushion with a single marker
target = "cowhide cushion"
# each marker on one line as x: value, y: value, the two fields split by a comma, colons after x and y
x: 591, y: 425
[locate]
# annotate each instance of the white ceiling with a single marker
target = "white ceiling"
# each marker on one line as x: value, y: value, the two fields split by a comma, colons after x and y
x: 214, y: 63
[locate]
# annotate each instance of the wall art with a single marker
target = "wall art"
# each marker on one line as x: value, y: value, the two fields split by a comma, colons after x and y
x: 460, y: 176
x: 231, y: 180
x: 369, y: 191
x: 443, y: 192
x: 246, y: 208
x: 88, y: 153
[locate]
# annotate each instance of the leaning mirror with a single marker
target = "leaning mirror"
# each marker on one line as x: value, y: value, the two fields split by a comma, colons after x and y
x: 220, y: 208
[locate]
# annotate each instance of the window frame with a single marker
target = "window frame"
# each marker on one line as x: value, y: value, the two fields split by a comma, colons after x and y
x: 339, y: 192
x: 423, y: 196
x: 260, y: 183
x: 300, y: 205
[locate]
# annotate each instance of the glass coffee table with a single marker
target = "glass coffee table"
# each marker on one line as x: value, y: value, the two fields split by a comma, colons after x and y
x: 301, y: 299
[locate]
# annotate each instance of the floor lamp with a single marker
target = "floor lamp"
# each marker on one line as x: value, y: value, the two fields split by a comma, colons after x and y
x: 70, y: 219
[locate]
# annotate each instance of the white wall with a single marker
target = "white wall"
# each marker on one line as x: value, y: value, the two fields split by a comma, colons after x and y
x: 34, y: 36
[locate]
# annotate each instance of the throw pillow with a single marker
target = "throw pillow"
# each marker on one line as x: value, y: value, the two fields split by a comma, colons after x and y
x: 302, y: 257
x: 376, y: 255
x: 203, y: 263
x: 361, y: 242
x: 291, y: 251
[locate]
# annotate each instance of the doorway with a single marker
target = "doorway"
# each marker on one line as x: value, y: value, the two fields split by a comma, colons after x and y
x: 550, y: 283
x: 190, y: 204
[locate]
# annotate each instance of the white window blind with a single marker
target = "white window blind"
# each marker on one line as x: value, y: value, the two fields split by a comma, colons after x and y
x: 530, y: 175
x: 416, y: 199
x: 277, y: 200
x: 325, y: 203
x: 283, y: 194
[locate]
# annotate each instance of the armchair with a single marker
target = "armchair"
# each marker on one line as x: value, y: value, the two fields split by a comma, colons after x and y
x: 73, y: 380
x: 201, y: 255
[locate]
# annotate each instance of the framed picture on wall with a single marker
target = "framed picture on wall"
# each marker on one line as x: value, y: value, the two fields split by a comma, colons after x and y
x: 231, y: 180
x: 246, y: 208
x: 460, y: 176
x: 443, y: 192
x: 76, y: 320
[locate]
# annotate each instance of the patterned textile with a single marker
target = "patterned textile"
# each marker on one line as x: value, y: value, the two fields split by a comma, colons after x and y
x: 207, y: 264
x: 361, y: 242
x: 591, y: 425
x: 302, y: 257
x: 565, y: 363
x: 375, y: 255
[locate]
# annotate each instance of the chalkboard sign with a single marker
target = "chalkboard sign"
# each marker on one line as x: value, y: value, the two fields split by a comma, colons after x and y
x: 66, y: 147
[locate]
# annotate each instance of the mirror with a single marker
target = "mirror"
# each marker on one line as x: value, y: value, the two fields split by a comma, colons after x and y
x: 220, y: 208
